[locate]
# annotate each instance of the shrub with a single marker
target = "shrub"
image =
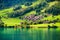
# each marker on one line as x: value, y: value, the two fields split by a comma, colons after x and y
x: 17, y: 8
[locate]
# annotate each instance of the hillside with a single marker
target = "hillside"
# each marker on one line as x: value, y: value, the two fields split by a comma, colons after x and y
x: 50, y: 10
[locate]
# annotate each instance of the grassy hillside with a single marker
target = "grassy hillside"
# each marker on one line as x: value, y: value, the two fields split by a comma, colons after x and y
x: 10, y: 21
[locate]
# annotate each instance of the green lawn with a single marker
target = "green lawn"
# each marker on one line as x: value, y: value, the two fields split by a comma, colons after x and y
x: 11, y: 21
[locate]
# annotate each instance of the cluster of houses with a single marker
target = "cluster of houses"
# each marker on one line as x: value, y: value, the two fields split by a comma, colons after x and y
x: 33, y: 17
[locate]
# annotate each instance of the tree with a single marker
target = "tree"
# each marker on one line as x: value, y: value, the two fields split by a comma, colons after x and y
x: 50, y: 0
x: 1, y: 23
x: 28, y: 4
x: 0, y: 17
x: 55, y: 10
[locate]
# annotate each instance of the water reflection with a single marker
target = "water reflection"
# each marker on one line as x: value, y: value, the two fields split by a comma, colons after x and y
x: 29, y: 34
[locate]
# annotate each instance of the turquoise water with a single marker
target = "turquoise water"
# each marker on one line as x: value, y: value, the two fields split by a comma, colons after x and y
x: 29, y: 34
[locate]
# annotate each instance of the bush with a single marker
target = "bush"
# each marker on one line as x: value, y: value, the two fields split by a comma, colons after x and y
x: 17, y: 8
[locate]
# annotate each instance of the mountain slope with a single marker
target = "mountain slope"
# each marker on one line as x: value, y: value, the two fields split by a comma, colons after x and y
x: 11, y: 15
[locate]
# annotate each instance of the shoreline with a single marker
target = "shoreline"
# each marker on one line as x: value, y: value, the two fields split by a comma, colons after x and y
x: 30, y: 26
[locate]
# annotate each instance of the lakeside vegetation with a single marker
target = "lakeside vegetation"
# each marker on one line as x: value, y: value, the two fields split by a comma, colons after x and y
x: 39, y: 14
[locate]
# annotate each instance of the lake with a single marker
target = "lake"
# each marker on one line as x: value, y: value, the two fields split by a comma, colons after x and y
x: 29, y: 34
